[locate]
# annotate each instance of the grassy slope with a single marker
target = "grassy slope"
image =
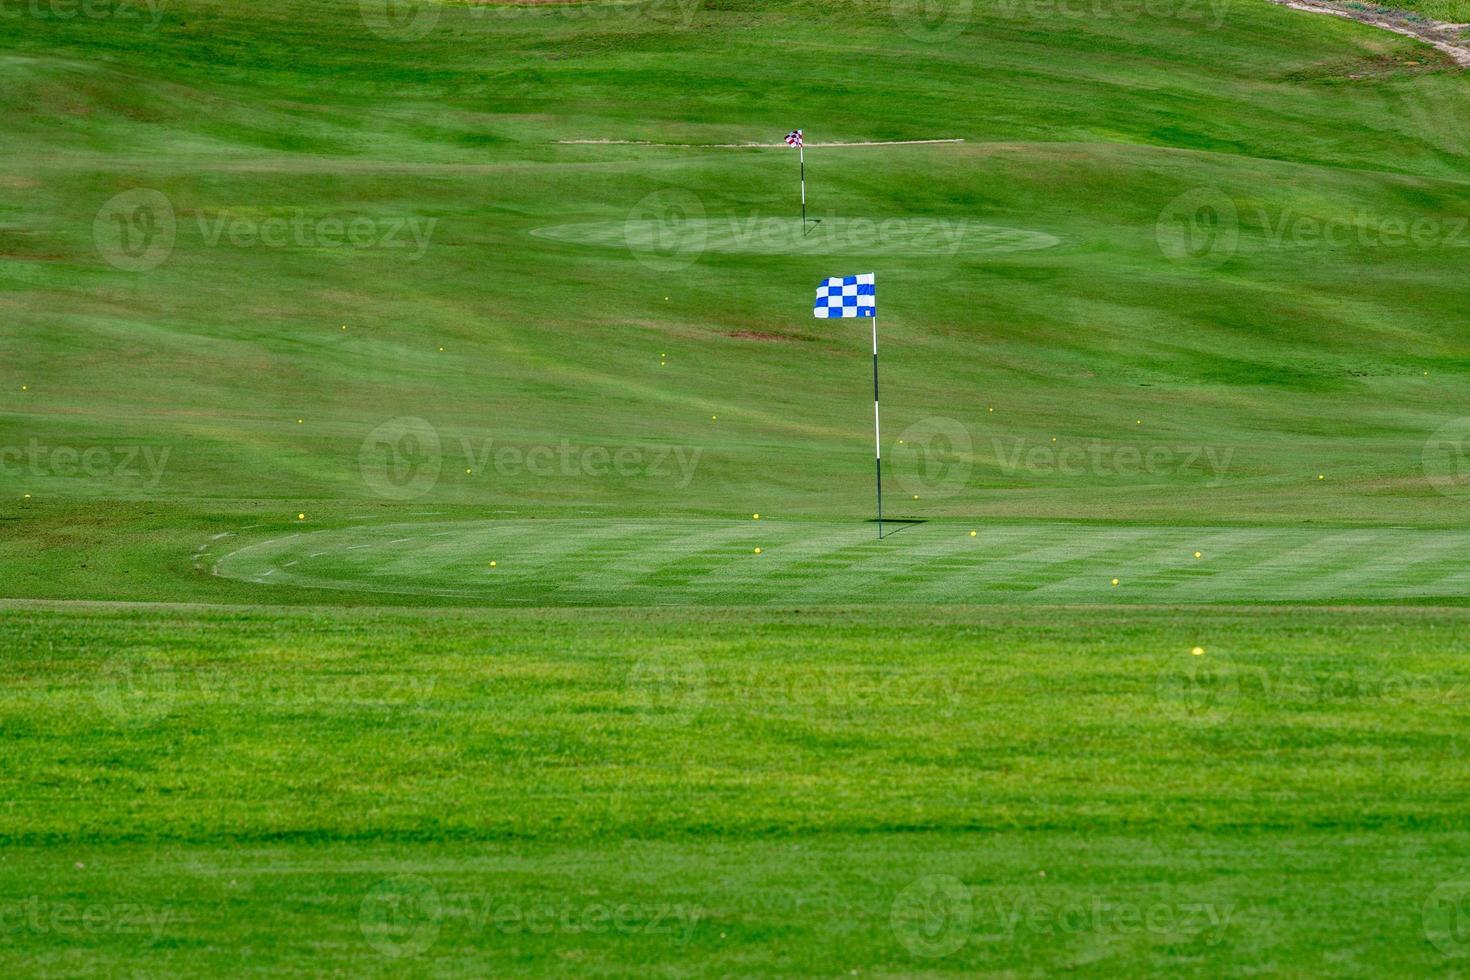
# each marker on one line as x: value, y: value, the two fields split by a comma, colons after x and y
x: 268, y: 767
x: 789, y: 780
x: 1299, y: 359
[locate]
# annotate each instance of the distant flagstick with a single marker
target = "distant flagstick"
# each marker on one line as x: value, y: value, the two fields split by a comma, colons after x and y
x: 797, y: 139
x: 801, y: 156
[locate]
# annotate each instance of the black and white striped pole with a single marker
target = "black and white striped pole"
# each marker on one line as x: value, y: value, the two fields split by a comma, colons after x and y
x: 801, y: 155
x: 877, y: 430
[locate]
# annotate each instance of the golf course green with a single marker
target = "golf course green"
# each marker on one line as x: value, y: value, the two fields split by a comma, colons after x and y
x: 436, y: 538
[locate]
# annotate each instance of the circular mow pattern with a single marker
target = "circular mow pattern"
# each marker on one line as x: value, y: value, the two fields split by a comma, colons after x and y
x: 642, y: 562
x: 664, y: 231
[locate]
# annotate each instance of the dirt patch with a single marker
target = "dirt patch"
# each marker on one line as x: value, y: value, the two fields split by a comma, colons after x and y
x: 1448, y: 38
x: 765, y: 338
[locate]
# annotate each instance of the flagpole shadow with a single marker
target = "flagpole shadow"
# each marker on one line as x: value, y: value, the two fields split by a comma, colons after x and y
x: 904, y: 522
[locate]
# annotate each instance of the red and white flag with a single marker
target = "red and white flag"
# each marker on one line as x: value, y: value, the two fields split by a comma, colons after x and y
x: 794, y: 138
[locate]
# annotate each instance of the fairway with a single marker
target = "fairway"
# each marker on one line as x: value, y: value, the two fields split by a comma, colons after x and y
x: 438, y: 539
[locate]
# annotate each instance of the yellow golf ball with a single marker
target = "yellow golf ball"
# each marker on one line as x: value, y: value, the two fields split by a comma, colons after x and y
x: 755, y: 517
x: 1198, y: 651
x: 757, y: 551
x: 1115, y: 581
x: 972, y: 534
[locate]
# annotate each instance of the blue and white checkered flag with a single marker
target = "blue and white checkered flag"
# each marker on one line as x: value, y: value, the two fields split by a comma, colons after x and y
x: 843, y: 296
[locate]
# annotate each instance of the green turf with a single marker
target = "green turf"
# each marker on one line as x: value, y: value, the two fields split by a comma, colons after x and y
x: 307, y: 315
x: 790, y: 791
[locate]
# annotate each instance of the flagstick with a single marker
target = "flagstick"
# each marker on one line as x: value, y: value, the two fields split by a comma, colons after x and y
x: 877, y: 431
x: 801, y: 155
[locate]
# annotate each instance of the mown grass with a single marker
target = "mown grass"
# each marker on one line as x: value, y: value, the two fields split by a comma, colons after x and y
x: 341, y: 787
x: 776, y: 786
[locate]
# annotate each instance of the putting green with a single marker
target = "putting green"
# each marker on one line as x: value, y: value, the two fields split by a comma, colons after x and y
x: 641, y: 562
